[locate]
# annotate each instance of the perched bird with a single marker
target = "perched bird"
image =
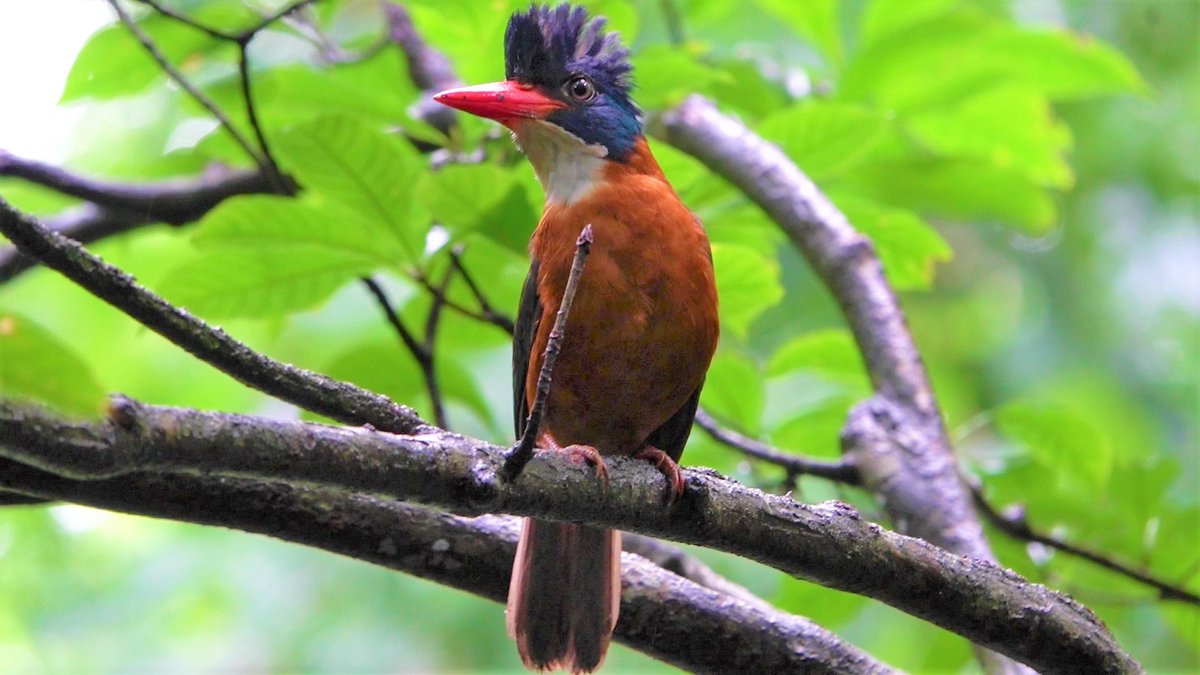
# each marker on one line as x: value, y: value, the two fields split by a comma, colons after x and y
x: 643, y: 326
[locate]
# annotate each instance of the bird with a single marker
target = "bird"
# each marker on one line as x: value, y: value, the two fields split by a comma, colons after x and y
x: 643, y: 327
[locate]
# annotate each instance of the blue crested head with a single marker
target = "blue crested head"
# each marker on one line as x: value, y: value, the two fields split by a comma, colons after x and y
x: 570, y: 58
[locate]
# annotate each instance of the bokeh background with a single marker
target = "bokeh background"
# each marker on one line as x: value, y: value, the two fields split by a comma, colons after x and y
x: 1030, y: 171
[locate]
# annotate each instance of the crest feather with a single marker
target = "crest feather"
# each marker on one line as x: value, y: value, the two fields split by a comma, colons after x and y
x: 544, y: 45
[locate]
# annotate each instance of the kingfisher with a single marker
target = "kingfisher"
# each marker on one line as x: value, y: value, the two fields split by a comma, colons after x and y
x: 643, y: 326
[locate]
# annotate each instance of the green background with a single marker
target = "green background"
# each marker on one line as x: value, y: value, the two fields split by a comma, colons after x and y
x: 1029, y: 172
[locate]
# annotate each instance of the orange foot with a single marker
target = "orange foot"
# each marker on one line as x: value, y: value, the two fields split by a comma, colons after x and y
x: 668, y: 468
x: 585, y: 454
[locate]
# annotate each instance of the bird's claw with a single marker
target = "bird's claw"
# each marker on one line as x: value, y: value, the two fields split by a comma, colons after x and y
x: 668, y: 468
x: 590, y: 456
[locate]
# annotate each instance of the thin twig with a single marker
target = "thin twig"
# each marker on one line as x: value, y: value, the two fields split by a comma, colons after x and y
x: 17, y: 499
x: 796, y: 465
x: 341, y: 401
x: 520, y: 455
x: 487, y: 312
x: 243, y: 36
x: 421, y: 352
x: 498, y: 320
x: 271, y: 167
x: 187, y: 20
x: 248, y: 34
x: 1015, y: 525
x: 187, y: 86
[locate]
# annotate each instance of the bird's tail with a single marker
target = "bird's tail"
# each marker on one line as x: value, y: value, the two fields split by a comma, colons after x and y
x: 564, y: 595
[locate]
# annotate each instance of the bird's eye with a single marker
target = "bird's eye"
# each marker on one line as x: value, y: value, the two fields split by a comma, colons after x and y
x: 580, y: 88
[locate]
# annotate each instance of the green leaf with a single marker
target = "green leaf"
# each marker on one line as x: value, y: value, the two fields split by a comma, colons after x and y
x: 814, y: 20
x: 816, y: 431
x: 291, y: 94
x: 744, y: 88
x: 235, y: 282
x: 1007, y: 126
x: 735, y: 392
x: 1063, y: 65
x: 1059, y: 438
x: 384, y: 367
x: 747, y: 284
x: 112, y: 63
x: 920, y: 61
x: 830, y: 353
x: 825, y: 138
x: 908, y: 246
x: 666, y: 75
x: 345, y: 160
x: 468, y: 197
x: 460, y: 385
x: 962, y: 189
x: 258, y: 221
x: 884, y: 17
x: 34, y: 363
x: 935, y: 60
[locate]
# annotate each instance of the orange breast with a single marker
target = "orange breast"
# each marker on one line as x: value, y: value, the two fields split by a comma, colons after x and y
x: 643, y: 326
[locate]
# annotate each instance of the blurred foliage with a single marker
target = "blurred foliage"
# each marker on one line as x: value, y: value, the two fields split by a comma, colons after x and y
x: 1049, y: 146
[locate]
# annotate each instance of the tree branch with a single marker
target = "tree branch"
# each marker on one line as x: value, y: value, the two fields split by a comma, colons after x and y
x: 827, y: 543
x: 311, y: 391
x: 118, y: 208
x: 1014, y: 525
x: 661, y: 614
x: 897, y: 437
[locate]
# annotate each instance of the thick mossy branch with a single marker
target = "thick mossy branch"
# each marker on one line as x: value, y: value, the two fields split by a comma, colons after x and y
x: 662, y: 614
x: 827, y: 543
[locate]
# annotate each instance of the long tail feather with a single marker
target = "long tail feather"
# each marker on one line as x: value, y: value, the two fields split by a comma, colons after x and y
x: 564, y: 595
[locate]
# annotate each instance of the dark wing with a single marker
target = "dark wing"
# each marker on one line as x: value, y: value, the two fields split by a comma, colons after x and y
x: 673, y: 434
x: 529, y: 314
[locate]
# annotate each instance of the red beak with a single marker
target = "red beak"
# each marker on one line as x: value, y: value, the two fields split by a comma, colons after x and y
x: 500, y: 101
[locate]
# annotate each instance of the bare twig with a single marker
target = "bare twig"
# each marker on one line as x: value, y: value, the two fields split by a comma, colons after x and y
x: 1014, y: 524
x: 494, y: 318
x: 520, y: 455
x: 487, y: 312
x: 197, y: 95
x: 796, y: 465
x: 242, y: 36
x: 18, y: 499
x: 311, y: 391
x: 271, y: 167
x: 174, y: 201
x: 421, y: 352
x: 118, y: 208
x: 827, y: 543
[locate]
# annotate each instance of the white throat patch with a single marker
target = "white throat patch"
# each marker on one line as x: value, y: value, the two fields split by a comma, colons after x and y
x: 567, y: 167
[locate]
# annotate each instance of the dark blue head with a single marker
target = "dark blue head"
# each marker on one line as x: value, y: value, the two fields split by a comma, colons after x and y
x: 570, y: 59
